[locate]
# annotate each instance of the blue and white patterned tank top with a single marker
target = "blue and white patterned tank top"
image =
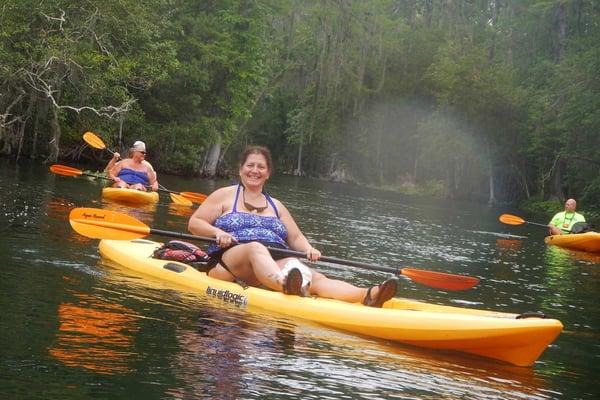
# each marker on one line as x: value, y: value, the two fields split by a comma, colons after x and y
x: 246, y: 227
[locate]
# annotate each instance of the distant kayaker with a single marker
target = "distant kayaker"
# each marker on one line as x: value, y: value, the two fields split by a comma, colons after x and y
x: 133, y: 172
x: 245, y: 220
x: 563, y: 222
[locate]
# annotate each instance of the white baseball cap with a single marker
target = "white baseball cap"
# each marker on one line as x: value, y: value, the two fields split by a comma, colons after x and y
x: 139, y: 146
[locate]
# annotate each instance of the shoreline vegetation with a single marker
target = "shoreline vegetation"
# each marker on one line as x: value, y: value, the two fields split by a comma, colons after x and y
x: 489, y: 101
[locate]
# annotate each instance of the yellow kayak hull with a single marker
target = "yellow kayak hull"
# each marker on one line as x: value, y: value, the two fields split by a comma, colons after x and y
x: 129, y: 196
x: 489, y: 334
x: 588, y: 241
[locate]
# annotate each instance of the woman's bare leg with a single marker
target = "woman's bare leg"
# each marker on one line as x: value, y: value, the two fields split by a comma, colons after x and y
x: 252, y: 263
x: 121, y: 184
x: 322, y: 286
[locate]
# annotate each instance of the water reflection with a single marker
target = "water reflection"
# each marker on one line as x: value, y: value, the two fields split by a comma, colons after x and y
x: 212, y: 354
x: 509, y: 246
x: 143, y: 212
x: 558, y: 255
x: 95, y: 335
x: 180, y: 210
x: 58, y: 208
x: 559, y: 276
x: 250, y: 355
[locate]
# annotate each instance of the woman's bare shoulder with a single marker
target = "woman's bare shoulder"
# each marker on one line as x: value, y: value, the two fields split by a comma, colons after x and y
x: 223, y: 192
x: 279, y: 204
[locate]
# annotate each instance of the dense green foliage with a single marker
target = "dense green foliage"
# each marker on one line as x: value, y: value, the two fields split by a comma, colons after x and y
x: 493, y: 99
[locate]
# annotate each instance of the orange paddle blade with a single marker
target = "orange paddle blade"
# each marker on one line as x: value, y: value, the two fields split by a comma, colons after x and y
x: 195, y: 197
x: 64, y: 170
x: 511, y: 219
x: 93, y: 140
x: 180, y: 200
x: 440, y: 280
x: 96, y: 223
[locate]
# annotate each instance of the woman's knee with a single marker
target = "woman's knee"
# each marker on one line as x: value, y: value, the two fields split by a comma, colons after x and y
x: 256, y: 248
x: 244, y: 254
x: 317, y: 276
x: 218, y: 272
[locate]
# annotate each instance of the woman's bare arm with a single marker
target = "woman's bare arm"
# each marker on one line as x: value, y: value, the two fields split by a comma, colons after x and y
x: 296, y: 239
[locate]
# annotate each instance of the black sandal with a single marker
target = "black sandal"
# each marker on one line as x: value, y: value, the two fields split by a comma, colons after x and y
x: 293, y: 283
x: 386, y: 291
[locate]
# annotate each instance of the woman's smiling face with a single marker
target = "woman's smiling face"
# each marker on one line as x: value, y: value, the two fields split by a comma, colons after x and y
x: 255, y: 170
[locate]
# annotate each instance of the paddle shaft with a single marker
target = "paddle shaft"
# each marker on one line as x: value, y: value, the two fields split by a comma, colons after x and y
x: 104, y: 224
x: 538, y: 224
x: 287, y: 252
x: 510, y: 219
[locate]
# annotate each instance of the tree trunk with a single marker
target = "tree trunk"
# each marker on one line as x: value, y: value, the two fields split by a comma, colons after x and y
x: 41, y: 113
x: 54, y: 145
x: 523, y: 176
x: 298, y: 170
x: 492, y: 199
x: 8, y: 138
x: 28, y: 114
x: 121, y: 119
x: 428, y: 13
x: 378, y: 157
x: 556, y: 188
x: 561, y: 32
x: 209, y: 167
x: 492, y: 189
x: 20, y: 137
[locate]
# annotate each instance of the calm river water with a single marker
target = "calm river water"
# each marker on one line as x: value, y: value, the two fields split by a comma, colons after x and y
x: 74, y: 328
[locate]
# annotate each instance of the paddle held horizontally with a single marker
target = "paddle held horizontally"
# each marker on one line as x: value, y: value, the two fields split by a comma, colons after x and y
x: 70, y: 171
x: 105, y: 224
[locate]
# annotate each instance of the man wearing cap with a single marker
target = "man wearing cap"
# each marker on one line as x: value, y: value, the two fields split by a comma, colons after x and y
x: 133, y: 172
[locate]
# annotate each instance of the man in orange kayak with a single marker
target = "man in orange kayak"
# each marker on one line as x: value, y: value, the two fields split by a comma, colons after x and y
x: 563, y: 222
x: 134, y: 172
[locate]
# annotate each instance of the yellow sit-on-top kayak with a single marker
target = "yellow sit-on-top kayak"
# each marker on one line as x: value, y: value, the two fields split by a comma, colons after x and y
x: 588, y: 241
x: 129, y: 196
x: 495, y: 335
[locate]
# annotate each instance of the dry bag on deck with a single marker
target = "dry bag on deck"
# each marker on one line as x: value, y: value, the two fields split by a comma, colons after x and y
x: 188, y: 253
x: 580, y: 227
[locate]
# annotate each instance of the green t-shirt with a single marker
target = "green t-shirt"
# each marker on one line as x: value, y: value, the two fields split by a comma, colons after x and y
x: 565, y: 221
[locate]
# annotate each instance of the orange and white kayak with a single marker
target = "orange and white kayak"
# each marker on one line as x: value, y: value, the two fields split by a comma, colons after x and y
x: 588, y: 241
x: 129, y: 196
x: 496, y: 335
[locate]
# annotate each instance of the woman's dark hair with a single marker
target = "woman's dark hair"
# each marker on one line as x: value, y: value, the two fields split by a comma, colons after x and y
x: 257, y: 150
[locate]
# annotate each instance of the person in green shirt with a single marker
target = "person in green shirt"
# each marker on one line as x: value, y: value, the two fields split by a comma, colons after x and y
x: 563, y: 222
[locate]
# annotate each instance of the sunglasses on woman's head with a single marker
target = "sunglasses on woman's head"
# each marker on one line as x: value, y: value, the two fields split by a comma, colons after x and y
x: 143, y: 152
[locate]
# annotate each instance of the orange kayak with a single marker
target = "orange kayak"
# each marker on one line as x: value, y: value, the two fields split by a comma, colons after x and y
x: 129, y: 196
x: 588, y: 241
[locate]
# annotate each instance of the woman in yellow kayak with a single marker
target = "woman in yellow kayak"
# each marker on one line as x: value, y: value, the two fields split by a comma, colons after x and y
x: 245, y: 220
x: 563, y: 222
x: 133, y: 172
